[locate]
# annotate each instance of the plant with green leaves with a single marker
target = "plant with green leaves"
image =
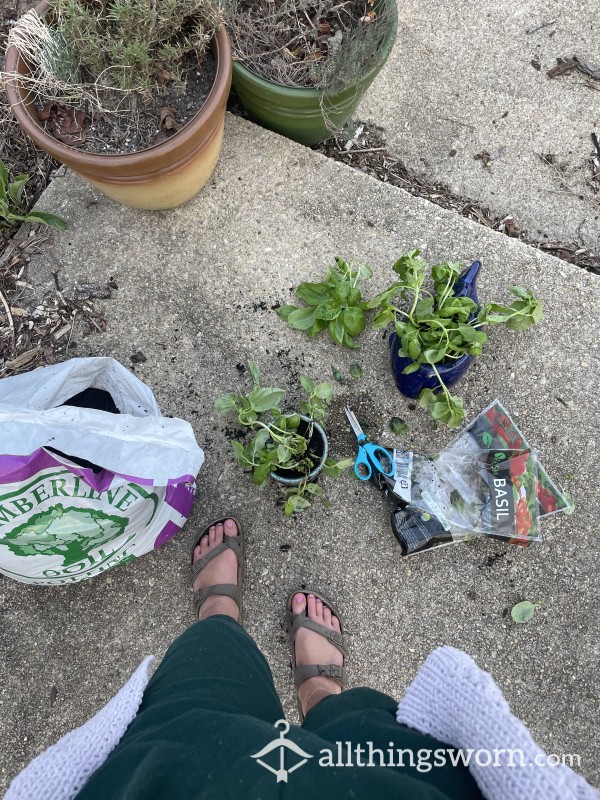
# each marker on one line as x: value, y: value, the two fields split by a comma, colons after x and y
x: 436, y: 328
x: 335, y: 304
x: 283, y: 443
x: 11, y: 202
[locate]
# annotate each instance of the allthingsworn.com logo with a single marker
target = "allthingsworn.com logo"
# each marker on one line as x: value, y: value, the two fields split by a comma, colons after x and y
x: 281, y: 756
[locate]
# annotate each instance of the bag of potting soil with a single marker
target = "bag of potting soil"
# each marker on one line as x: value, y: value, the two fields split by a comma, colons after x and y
x: 91, y: 474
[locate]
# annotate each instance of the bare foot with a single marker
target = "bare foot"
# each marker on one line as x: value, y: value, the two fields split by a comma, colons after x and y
x: 222, y: 569
x: 312, y: 648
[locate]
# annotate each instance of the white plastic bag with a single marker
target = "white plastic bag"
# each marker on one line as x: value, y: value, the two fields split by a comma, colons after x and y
x: 61, y: 522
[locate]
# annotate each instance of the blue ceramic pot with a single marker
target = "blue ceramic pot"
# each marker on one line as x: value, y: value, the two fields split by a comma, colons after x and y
x: 425, y: 378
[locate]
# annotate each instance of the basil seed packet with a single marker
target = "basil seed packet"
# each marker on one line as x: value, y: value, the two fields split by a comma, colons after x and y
x: 495, y: 428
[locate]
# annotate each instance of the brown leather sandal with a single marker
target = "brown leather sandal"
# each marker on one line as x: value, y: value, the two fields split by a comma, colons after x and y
x: 297, y: 621
x: 235, y: 543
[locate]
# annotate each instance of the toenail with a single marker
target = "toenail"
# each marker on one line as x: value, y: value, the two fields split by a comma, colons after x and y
x: 298, y: 598
x: 229, y: 523
x: 319, y: 600
x: 311, y: 595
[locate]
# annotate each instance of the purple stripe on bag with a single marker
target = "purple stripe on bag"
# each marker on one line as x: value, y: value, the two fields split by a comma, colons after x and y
x: 20, y: 468
x: 14, y: 469
x: 167, y: 533
x: 181, y: 496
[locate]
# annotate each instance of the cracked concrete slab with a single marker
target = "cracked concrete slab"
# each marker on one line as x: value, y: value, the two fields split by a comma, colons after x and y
x: 197, y: 287
x: 470, y: 78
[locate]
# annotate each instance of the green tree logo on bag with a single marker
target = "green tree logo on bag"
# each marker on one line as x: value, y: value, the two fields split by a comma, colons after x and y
x: 68, y: 532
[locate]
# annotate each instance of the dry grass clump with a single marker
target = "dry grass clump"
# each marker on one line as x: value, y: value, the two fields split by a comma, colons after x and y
x: 327, y: 45
x: 108, y: 55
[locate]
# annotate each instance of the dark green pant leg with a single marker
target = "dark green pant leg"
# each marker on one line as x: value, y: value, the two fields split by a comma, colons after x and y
x: 211, y: 666
x: 364, y: 715
x: 209, y: 701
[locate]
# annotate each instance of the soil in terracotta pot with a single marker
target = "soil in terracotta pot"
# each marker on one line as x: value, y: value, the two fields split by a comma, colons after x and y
x: 156, y: 120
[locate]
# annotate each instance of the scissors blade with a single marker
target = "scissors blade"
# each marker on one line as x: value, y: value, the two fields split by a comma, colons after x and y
x: 358, y: 431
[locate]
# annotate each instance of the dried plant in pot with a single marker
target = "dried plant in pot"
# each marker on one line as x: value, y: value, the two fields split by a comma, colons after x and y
x: 301, y: 67
x: 130, y: 94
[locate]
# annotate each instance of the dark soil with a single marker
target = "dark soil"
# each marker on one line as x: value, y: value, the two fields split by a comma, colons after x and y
x: 155, y: 121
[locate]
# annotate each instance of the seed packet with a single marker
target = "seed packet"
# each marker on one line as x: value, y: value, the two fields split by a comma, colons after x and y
x: 495, y: 428
x: 492, y: 494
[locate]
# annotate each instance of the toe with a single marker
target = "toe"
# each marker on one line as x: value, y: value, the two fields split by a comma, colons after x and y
x: 299, y: 603
x: 204, y: 545
x: 335, y: 624
x: 312, y: 606
x: 219, y: 533
x: 319, y: 610
x: 327, y: 616
x: 231, y: 528
x: 211, y: 534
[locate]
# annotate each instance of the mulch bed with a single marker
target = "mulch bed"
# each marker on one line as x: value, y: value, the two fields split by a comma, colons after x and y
x: 365, y: 149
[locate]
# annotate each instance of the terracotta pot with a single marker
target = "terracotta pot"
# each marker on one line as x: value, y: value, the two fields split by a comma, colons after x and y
x: 162, y: 176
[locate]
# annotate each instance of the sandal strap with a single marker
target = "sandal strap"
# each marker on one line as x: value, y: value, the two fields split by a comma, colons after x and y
x: 229, y: 543
x: 302, y: 621
x: 334, y: 671
x: 223, y: 589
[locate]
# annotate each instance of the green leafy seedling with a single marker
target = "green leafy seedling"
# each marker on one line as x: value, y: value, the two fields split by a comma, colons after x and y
x: 356, y: 371
x: 523, y: 611
x: 276, y: 441
x: 334, y: 304
x: 11, y: 200
x: 398, y: 426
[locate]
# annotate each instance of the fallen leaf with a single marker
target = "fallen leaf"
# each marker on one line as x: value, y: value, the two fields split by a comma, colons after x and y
x: 398, y: 426
x: 562, y: 68
x: 168, y: 119
x: 522, y: 612
x: 138, y: 358
x: 65, y: 124
x: 567, y: 65
x: 337, y: 375
x: 23, y: 359
x: 162, y: 73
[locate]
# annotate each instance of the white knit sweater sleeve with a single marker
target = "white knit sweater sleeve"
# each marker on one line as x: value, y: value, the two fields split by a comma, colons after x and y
x: 458, y: 703
x: 61, y: 771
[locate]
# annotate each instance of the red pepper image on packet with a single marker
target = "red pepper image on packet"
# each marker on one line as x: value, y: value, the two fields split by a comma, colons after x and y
x: 495, y: 428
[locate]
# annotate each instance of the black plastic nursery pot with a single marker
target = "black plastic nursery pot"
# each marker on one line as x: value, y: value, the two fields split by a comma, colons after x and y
x: 318, y: 448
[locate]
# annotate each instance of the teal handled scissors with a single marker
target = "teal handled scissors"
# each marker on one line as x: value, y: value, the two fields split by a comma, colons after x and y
x: 370, y: 456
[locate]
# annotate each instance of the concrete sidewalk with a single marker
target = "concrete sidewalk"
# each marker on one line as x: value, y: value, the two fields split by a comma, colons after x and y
x: 470, y: 78
x: 196, y: 290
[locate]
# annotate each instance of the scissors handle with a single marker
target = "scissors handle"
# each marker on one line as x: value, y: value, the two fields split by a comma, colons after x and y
x: 362, y: 466
x: 376, y: 454
x: 370, y: 457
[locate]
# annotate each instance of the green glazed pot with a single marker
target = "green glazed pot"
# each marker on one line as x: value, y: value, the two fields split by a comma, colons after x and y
x: 296, y: 113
